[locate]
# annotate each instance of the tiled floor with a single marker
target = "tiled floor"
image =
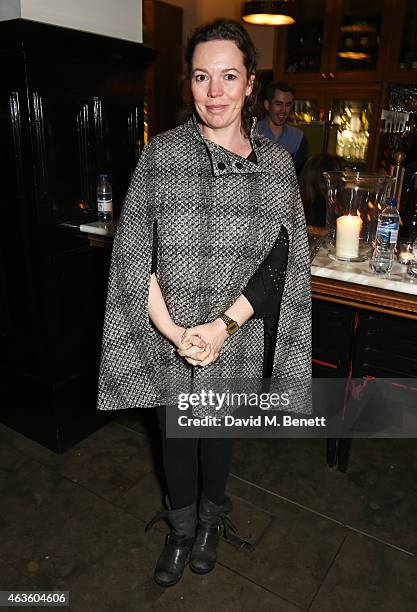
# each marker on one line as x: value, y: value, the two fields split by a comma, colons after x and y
x: 325, y: 541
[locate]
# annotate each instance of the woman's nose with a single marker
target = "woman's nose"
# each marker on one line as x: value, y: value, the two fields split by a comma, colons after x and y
x: 215, y: 89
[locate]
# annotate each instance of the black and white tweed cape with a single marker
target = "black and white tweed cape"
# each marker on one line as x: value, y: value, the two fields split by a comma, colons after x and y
x: 218, y: 216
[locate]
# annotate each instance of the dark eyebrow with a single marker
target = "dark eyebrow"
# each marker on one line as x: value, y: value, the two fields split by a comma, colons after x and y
x: 225, y: 70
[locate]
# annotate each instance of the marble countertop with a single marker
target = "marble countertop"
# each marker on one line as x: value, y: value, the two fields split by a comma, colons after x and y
x: 100, y: 228
x: 360, y: 273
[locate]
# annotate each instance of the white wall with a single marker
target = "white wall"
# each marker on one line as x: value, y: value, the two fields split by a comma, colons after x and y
x: 115, y: 18
x: 9, y: 9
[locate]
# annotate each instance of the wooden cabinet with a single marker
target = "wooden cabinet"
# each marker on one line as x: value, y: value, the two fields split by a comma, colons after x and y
x: 327, y: 33
x: 367, y: 338
x: 342, y: 120
x: 401, y: 59
x: 315, y: 55
x: 359, y: 42
x: 344, y: 93
x: 334, y: 40
x: 301, y: 49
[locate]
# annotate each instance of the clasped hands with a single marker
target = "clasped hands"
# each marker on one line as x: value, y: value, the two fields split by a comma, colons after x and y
x: 200, y: 345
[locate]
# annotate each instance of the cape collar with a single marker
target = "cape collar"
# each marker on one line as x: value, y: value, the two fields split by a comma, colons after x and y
x: 224, y: 161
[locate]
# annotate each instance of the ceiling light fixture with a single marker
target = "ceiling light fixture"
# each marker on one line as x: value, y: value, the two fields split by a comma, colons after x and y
x: 269, y: 12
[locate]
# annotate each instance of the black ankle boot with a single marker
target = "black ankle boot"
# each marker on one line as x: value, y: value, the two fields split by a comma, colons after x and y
x: 176, y: 552
x: 211, y: 524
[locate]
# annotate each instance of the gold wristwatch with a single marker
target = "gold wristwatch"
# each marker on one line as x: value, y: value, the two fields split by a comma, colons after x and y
x: 231, y: 325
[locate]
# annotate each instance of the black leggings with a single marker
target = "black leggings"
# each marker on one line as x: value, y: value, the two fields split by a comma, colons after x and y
x: 180, y: 460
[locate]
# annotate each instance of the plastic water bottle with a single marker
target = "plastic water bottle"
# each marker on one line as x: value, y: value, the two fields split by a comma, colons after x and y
x: 412, y: 269
x: 386, y: 238
x: 104, y: 200
x: 413, y: 225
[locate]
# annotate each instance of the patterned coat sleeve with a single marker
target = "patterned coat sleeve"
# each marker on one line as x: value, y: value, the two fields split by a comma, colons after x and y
x: 126, y: 372
x: 293, y: 360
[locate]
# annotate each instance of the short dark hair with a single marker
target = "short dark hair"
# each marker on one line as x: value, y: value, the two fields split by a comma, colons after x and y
x: 221, y: 29
x: 271, y: 88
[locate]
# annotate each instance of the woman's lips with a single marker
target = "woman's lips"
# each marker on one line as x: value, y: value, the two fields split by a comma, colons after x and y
x: 216, y: 107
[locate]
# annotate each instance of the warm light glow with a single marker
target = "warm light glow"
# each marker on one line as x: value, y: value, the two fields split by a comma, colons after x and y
x: 351, y: 145
x: 405, y: 258
x: 354, y: 55
x: 268, y: 19
x: 348, y: 230
x: 357, y: 28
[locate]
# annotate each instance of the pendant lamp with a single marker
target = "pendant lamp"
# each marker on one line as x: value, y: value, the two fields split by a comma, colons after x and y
x: 269, y: 12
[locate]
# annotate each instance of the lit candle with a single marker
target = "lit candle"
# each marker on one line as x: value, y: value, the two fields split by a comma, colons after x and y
x: 348, y: 229
x: 405, y: 257
x: 405, y: 254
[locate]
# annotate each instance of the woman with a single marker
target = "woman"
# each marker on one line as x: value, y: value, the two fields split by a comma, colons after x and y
x: 224, y: 213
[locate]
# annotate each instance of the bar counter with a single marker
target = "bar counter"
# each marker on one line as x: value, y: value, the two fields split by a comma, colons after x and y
x: 364, y: 328
x: 355, y: 285
x: 351, y: 284
x: 364, y: 324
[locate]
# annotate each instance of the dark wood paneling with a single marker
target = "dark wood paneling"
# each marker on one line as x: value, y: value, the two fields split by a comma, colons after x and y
x: 163, y: 31
x: 71, y: 107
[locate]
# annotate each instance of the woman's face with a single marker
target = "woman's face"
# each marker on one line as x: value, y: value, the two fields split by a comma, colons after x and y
x: 219, y: 83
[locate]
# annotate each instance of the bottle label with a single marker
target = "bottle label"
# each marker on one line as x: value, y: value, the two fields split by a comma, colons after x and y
x: 388, y: 234
x: 104, y: 205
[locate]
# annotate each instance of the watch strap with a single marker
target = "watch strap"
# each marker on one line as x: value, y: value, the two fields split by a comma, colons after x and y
x: 231, y: 325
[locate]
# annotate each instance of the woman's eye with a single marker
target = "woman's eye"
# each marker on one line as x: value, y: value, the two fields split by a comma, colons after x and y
x: 200, y: 77
x: 230, y: 77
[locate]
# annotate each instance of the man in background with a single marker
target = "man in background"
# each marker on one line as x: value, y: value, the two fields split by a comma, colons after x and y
x: 278, y: 105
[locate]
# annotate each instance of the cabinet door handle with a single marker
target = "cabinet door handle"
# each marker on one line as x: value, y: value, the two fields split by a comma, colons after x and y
x: 324, y: 75
x: 331, y: 75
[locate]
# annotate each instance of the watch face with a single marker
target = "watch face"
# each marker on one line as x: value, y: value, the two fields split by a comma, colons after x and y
x: 232, y: 327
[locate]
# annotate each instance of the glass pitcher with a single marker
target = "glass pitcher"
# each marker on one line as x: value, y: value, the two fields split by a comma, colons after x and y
x: 354, y: 201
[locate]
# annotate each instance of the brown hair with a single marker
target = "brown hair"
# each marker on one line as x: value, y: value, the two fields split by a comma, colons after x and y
x: 221, y: 29
x: 312, y: 184
x: 274, y: 86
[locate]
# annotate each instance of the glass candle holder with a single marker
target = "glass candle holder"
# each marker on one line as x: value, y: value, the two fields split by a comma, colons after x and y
x: 405, y: 253
x: 354, y: 200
